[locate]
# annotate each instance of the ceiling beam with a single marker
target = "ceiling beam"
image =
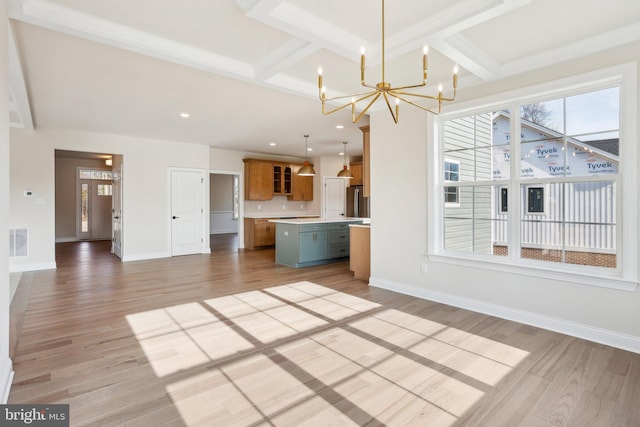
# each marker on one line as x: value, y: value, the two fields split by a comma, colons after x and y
x: 72, y: 22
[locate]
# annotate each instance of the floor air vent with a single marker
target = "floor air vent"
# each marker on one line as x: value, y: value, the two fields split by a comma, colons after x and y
x: 18, y: 242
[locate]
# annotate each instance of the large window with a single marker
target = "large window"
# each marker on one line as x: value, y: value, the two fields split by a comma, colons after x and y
x: 546, y: 169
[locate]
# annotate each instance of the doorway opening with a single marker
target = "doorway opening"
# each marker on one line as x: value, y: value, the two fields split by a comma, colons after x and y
x: 86, y: 194
x: 224, y: 211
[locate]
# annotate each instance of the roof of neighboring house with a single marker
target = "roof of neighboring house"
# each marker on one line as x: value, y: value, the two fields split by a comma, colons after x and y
x: 609, y: 145
x: 605, y: 147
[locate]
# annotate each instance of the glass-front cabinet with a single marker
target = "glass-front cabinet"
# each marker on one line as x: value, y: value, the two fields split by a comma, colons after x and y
x: 282, y: 180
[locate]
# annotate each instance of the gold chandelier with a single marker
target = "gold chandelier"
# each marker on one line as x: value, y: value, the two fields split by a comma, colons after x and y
x: 385, y: 90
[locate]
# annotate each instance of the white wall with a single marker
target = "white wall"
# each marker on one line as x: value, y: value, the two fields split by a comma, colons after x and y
x: 146, y: 217
x: 399, y: 241
x: 6, y: 369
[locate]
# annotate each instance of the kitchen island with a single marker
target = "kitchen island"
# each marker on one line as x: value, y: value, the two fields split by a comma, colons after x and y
x: 304, y: 242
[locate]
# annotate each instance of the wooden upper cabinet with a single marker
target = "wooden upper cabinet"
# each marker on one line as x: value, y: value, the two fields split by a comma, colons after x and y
x: 282, y: 180
x: 264, y: 179
x: 302, y: 190
x: 366, y: 172
x: 258, y: 180
x: 356, y: 171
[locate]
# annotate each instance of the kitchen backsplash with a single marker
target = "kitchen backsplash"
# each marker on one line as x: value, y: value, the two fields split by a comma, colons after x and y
x: 278, y: 206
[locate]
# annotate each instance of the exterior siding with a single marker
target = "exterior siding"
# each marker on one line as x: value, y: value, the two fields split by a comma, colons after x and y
x: 467, y: 227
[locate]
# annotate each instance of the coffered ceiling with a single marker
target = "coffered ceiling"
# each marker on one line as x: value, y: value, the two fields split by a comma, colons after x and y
x: 246, y: 70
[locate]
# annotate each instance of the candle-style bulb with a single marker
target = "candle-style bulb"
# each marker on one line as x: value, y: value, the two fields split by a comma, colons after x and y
x: 319, y: 71
x: 362, y: 50
x: 425, y: 50
x: 455, y: 77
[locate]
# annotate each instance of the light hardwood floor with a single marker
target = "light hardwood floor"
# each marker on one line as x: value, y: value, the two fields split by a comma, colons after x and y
x: 233, y: 339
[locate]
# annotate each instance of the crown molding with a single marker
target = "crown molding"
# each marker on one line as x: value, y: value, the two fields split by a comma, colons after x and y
x: 19, y: 107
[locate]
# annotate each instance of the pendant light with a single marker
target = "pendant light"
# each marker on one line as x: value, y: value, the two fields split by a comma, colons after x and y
x: 345, y: 172
x: 306, y: 169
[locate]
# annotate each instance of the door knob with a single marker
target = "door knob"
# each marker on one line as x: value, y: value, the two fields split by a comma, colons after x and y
x: 175, y: 217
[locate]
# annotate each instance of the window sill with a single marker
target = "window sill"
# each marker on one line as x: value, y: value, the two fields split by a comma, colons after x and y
x: 592, y: 277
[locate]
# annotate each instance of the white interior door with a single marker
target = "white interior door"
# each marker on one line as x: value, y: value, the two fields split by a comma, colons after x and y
x: 334, y: 197
x: 187, y: 212
x: 116, y: 199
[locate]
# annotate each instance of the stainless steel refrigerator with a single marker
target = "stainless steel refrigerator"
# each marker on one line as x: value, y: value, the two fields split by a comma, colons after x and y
x: 357, y: 204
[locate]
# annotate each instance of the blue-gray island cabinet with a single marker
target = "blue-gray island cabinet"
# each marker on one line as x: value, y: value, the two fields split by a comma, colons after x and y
x: 311, y: 241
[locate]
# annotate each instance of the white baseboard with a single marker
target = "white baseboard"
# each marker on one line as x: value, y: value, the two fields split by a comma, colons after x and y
x: 6, y: 378
x: 230, y: 231
x: 147, y: 256
x: 66, y: 239
x: 155, y: 255
x: 578, y: 330
x: 32, y: 267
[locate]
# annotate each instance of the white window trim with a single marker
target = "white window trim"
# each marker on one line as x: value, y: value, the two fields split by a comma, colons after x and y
x: 626, y: 276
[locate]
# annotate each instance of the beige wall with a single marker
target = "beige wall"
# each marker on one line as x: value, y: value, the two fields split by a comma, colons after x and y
x: 66, y: 200
x: 146, y: 195
x: 5, y: 361
x: 32, y: 169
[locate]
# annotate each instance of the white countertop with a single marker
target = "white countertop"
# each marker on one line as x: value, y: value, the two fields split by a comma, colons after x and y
x: 316, y: 220
x: 363, y: 225
x: 281, y: 215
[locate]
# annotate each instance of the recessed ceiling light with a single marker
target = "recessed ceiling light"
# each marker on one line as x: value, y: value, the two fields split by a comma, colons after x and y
x: 340, y: 127
x: 341, y: 153
x: 184, y: 115
x: 273, y: 144
x: 309, y: 149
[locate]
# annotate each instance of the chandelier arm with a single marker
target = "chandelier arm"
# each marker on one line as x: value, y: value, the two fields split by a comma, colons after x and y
x: 422, y: 107
x: 418, y: 95
x: 366, y: 108
x: 369, y: 86
x: 395, y: 116
x: 452, y: 98
x: 367, y: 95
x: 362, y: 78
x: 335, y: 98
x: 326, y: 113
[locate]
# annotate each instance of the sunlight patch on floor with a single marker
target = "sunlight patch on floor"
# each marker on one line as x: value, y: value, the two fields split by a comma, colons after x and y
x: 305, y: 354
